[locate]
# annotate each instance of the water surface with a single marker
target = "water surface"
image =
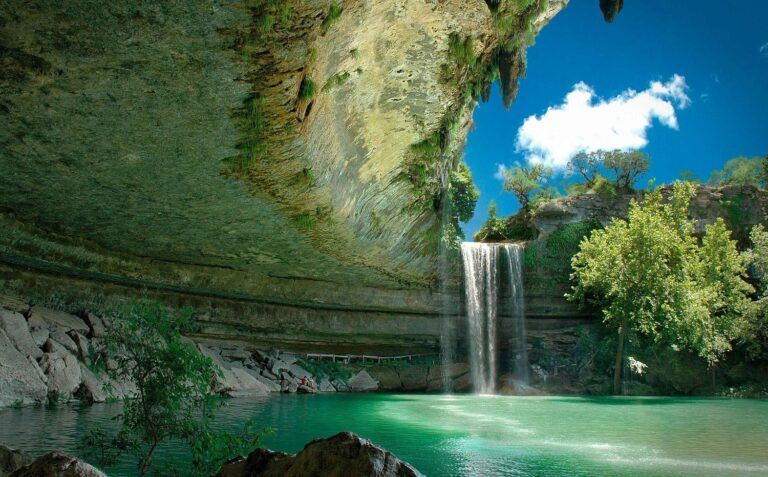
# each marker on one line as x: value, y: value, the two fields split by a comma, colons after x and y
x: 470, y: 435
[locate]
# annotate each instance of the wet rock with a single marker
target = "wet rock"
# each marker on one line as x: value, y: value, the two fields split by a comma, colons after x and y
x: 58, y: 464
x: 48, y: 318
x: 344, y: 454
x: 387, y: 377
x: 20, y: 382
x: 362, y: 382
x: 15, y: 327
x: 11, y: 460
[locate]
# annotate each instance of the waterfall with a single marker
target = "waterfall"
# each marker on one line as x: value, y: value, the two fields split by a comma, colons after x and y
x: 482, y: 282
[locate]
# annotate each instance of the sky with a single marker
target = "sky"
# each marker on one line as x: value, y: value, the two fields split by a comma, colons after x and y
x: 684, y: 81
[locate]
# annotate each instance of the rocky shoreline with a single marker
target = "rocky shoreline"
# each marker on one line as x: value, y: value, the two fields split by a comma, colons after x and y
x: 47, y: 355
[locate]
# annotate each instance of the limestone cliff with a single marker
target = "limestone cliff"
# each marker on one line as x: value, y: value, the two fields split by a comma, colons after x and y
x: 279, y: 164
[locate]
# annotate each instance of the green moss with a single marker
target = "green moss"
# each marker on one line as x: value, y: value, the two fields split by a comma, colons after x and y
x: 737, y: 218
x: 307, y: 89
x: 334, y: 12
x: 336, y: 80
x: 554, y: 252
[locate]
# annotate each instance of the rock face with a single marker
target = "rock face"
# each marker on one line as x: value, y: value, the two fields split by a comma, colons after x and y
x: 20, y: 381
x: 295, y: 216
x: 12, y: 460
x: 57, y: 464
x: 343, y: 454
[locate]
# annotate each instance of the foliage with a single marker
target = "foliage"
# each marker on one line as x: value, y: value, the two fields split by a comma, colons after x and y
x: 334, y: 12
x: 651, y: 275
x: 556, y: 250
x: 462, y: 193
x: 307, y: 89
x: 174, y: 399
x: 336, y: 80
x: 623, y: 167
x: 756, y: 333
x: 522, y: 180
x: 741, y: 171
x: 514, y: 227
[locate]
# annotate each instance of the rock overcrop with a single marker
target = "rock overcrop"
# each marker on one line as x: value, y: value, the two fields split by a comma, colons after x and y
x: 344, y: 454
x: 57, y: 464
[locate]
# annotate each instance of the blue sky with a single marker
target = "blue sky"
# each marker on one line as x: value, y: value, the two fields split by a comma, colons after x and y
x: 717, y: 111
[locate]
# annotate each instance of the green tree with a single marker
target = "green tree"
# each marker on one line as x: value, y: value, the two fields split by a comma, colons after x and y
x: 650, y: 274
x: 624, y: 166
x: 522, y: 180
x: 463, y: 193
x: 740, y: 171
x: 586, y: 165
x: 174, y: 398
x: 756, y: 335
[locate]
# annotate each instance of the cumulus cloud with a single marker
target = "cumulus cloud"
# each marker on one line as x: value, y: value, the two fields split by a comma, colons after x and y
x: 585, y: 122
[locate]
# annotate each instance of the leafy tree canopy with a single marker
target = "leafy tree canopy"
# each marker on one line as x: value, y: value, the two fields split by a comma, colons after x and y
x: 651, y: 274
x: 522, y: 180
x: 742, y: 171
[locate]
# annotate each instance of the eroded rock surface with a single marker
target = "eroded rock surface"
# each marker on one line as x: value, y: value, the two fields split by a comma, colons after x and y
x: 57, y: 464
x: 344, y: 454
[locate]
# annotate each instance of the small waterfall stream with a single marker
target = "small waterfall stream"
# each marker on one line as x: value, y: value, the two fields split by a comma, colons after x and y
x: 484, y: 303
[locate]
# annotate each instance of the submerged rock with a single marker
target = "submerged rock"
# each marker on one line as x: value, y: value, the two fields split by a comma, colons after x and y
x: 344, y: 454
x: 58, y: 464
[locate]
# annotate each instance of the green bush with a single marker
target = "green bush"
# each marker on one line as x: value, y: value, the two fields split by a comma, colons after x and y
x: 307, y: 89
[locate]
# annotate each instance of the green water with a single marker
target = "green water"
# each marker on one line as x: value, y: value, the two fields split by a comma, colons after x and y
x: 478, y: 435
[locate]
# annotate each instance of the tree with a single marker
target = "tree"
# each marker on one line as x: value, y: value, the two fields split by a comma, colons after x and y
x: 756, y: 335
x: 585, y: 165
x: 522, y: 180
x: 651, y: 274
x: 463, y: 193
x: 740, y: 171
x: 174, y: 398
x: 625, y: 166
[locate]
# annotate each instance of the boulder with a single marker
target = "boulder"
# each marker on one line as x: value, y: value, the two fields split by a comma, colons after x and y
x: 340, y: 385
x: 82, y: 345
x: 414, y: 378
x: 60, y: 337
x: 58, y: 464
x: 387, y: 377
x: 272, y: 386
x: 325, y: 386
x: 40, y: 335
x: 235, y: 380
x: 344, y: 454
x: 437, y: 375
x: 63, y: 371
x: 47, y: 318
x: 12, y: 303
x: 96, y: 325
x: 362, y: 382
x: 98, y: 387
x: 15, y: 327
x: 20, y: 381
x: 11, y: 460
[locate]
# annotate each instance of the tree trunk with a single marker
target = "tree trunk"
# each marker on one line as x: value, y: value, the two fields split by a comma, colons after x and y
x: 147, y: 462
x: 619, y: 365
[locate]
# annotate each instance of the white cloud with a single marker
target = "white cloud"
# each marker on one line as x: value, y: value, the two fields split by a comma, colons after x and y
x: 500, y: 168
x: 585, y: 122
x: 764, y: 49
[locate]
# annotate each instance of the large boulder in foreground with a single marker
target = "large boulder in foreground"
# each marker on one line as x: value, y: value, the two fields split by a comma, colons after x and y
x: 344, y: 454
x: 12, y: 460
x: 21, y: 381
x: 58, y: 464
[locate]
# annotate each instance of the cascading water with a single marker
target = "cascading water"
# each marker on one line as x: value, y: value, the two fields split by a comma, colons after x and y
x: 482, y: 281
